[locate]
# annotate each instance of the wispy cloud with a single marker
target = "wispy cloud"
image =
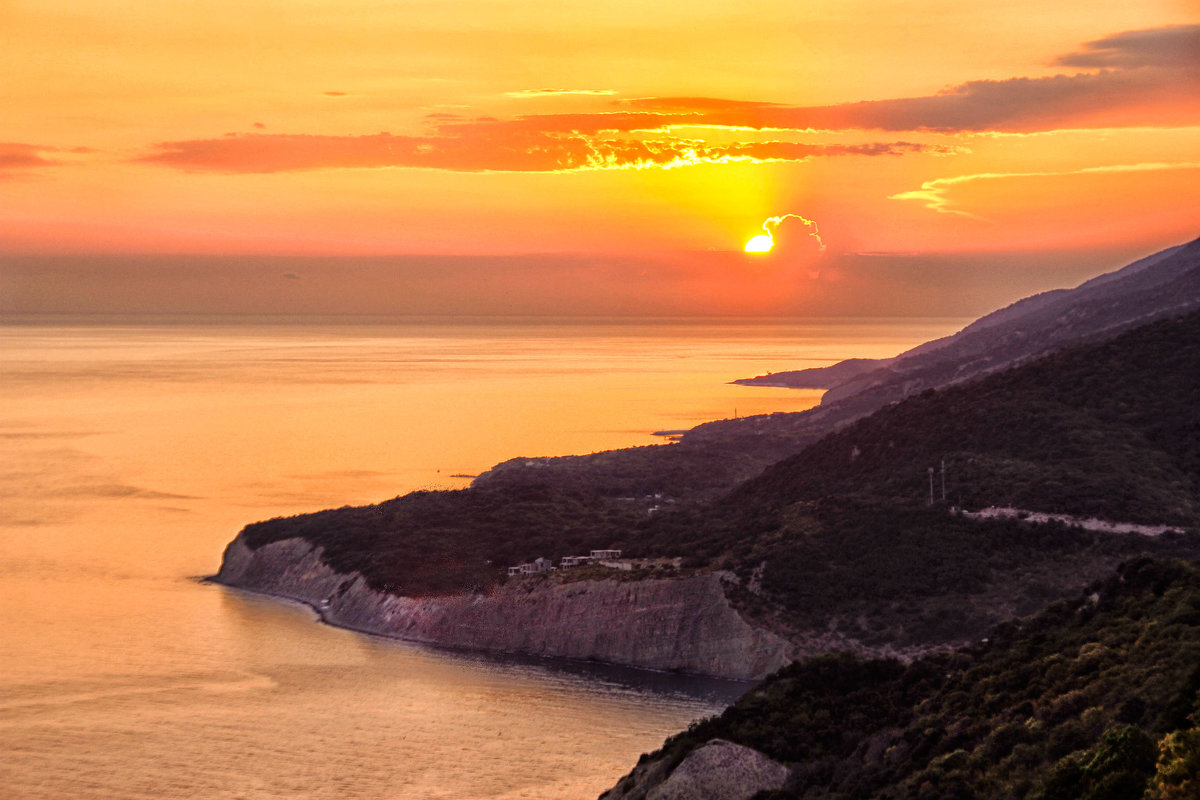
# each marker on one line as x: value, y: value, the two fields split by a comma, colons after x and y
x: 117, y: 491
x: 15, y: 156
x: 529, y: 93
x: 1174, y: 47
x: 935, y: 194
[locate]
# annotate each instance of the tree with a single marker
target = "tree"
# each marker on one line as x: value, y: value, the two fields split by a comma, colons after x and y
x: 1178, y: 774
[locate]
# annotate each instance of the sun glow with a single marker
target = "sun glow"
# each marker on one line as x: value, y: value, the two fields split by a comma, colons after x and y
x: 765, y: 241
x: 762, y: 243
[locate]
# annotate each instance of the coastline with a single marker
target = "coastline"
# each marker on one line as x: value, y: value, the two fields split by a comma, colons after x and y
x: 725, y: 689
x: 685, y: 626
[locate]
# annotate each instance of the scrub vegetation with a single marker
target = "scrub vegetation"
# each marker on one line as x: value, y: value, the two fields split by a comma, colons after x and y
x: 1094, y: 698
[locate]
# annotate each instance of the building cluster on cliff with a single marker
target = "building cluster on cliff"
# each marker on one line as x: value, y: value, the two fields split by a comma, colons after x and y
x: 605, y: 558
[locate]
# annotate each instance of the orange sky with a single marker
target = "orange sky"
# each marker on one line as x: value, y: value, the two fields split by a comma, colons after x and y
x: 613, y: 133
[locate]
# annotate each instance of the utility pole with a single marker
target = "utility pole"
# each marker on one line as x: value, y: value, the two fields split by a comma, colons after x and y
x: 931, y: 486
x: 943, y: 480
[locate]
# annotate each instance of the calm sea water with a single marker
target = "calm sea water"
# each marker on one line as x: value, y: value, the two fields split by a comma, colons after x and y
x: 132, y: 451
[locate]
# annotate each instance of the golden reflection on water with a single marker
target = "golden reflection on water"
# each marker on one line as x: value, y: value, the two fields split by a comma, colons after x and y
x: 130, y: 454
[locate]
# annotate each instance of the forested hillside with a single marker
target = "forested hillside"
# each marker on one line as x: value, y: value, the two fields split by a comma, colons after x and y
x: 1097, y: 698
x: 844, y: 533
x: 1110, y: 429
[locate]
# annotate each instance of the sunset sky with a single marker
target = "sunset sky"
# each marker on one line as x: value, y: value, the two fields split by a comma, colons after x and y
x: 493, y: 156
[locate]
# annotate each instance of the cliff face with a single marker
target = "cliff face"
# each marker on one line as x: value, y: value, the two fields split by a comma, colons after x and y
x: 685, y: 624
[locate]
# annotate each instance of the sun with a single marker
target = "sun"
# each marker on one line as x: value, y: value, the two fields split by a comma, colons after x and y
x: 762, y: 243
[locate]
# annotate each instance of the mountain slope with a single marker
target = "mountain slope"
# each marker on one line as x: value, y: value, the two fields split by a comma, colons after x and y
x: 1110, y: 429
x: 1078, y: 702
x: 843, y: 535
x: 1162, y: 285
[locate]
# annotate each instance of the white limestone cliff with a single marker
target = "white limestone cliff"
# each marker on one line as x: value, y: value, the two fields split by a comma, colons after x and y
x: 678, y: 624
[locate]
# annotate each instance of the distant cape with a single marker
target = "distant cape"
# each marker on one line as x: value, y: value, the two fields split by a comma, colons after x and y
x: 1165, y: 284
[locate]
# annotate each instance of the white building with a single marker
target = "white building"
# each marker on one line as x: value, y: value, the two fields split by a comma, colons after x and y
x: 532, y: 567
x: 605, y: 555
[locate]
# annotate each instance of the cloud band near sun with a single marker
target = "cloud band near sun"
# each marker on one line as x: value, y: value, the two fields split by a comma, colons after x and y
x: 511, y: 152
x: 1135, y: 78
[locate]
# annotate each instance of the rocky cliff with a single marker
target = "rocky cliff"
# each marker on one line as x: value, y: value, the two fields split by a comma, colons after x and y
x: 679, y: 624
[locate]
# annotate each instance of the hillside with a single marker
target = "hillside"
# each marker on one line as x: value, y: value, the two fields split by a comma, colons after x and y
x: 1110, y: 429
x: 453, y: 541
x: 1162, y: 285
x: 844, y: 535
x: 839, y: 547
x: 1096, y: 698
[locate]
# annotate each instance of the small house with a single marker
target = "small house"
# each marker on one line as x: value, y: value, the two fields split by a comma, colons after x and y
x: 605, y: 555
x: 534, y: 567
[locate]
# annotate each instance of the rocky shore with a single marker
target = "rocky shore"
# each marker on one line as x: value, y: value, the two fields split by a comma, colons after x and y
x: 683, y: 624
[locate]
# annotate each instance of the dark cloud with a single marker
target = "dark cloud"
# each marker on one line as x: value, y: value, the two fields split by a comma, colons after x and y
x: 481, y: 147
x: 533, y: 143
x: 1139, y: 78
x: 1173, y: 47
x: 1147, y: 77
x: 1106, y: 99
x: 798, y: 151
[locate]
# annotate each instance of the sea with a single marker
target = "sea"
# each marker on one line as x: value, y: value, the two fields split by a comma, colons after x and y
x: 133, y: 449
